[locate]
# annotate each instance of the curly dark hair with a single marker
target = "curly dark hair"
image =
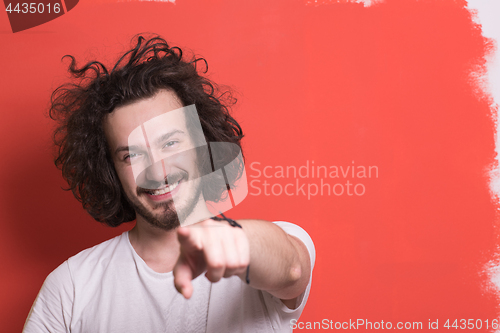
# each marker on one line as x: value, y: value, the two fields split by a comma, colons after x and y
x: 79, y: 108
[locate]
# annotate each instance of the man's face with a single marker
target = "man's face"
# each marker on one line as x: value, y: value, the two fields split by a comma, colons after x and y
x: 154, y: 158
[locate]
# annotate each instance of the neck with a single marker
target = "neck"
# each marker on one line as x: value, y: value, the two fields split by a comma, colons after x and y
x: 158, y: 248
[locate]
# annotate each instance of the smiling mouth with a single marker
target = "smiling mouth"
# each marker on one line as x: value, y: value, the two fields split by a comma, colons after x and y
x: 165, y: 190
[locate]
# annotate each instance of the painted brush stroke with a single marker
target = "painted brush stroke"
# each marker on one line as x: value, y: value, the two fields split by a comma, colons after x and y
x: 486, y: 15
x: 366, y: 3
x: 401, y: 79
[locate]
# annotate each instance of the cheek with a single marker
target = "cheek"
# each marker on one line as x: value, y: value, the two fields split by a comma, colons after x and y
x: 185, y: 160
x: 126, y: 177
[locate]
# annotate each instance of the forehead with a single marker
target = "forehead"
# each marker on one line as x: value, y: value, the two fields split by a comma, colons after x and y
x: 120, y: 123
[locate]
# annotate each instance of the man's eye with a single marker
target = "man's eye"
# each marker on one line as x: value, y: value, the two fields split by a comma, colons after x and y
x: 170, y: 144
x: 131, y: 156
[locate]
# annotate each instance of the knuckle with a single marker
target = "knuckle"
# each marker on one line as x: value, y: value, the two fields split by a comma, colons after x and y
x: 232, y: 263
x: 216, y: 263
x: 244, y: 262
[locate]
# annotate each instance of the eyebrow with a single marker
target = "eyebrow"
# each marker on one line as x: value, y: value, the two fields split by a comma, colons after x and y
x: 162, y: 138
x: 167, y: 135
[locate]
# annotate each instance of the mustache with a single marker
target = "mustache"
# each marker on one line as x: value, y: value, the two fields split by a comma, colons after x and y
x: 148, y: 185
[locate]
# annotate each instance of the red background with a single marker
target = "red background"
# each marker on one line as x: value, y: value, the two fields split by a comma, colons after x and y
x: 391, y: 85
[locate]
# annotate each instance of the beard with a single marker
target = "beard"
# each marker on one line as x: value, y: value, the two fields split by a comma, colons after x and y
x: 165, y: 220
x: 164, y: 215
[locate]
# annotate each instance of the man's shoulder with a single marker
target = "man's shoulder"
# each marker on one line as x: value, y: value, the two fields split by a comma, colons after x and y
x: 73, y: 284
x: 97, y: 256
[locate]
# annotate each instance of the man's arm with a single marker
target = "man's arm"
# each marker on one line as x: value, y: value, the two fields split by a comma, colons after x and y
x: 279, y: 263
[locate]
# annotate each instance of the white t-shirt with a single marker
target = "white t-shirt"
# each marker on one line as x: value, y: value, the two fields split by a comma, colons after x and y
x: 109, y: 288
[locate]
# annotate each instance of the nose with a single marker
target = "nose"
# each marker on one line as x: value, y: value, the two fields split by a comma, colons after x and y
x: 157, y: 172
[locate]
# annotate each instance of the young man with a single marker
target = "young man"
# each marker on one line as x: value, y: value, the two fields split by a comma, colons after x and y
x: 139, y: 143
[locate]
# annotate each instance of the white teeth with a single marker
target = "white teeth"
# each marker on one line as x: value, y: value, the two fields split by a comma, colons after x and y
x: 165, y: 190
